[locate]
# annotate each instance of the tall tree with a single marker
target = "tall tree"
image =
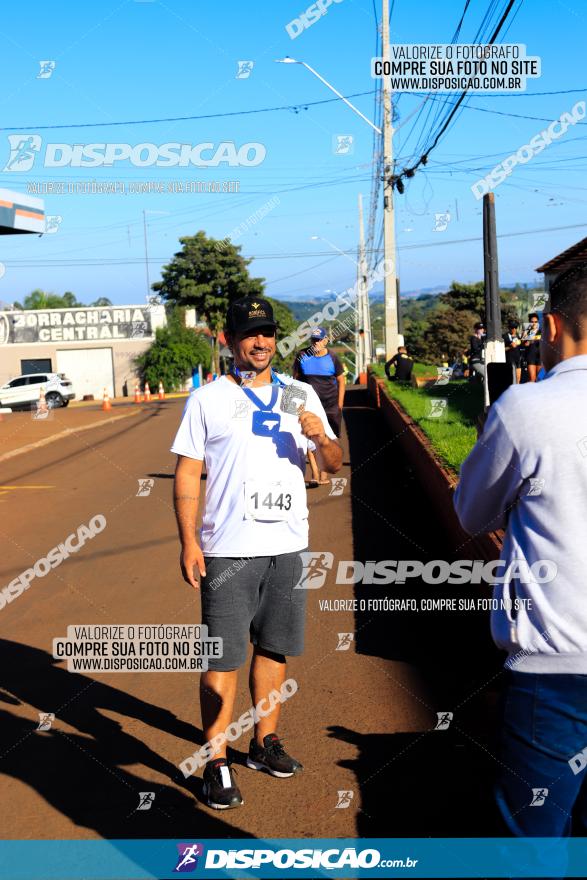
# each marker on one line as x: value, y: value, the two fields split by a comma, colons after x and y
x: 173, y: 355
x: 207, y: 274
x: 466, y: 297
x: 39, y: 299
x: 448, y: 334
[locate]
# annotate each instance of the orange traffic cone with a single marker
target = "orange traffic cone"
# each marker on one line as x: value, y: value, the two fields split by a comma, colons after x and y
x: 42, y: 404
x: 161, y: 392
x: 106, y: 405
x: 137, y: 393
x: 147, y: 395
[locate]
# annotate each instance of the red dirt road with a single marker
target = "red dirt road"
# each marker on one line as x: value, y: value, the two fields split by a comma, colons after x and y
x: 362, y: 720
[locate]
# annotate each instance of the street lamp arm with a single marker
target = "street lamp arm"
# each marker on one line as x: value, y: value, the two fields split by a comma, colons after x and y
x: 331, y: 87
x: 338, y: 94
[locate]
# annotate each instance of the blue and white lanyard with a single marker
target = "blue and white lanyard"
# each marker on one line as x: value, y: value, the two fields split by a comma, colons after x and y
x: 264, y: 419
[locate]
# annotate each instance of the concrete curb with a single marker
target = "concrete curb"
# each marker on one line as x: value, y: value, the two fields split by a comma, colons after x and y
x: 47, y: 440
x: 438, y: 480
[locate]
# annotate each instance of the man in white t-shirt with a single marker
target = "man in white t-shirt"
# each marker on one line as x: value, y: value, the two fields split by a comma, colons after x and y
x: 253, y: 429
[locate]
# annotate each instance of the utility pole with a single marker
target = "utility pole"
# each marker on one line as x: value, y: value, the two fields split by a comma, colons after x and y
x: 389, y: 284
x: 363, y: 309
x: 495, y: 348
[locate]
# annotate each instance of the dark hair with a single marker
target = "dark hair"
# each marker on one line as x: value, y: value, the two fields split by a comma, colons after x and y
x: 533, y: 315
x: 568, y: 298
x: 512, y: 324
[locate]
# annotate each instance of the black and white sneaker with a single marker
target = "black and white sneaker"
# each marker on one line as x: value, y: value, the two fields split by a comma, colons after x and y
x: 220, y: 789
x: 271, y: 756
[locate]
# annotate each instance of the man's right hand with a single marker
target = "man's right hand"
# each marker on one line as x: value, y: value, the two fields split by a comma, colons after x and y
x: 192, y: 558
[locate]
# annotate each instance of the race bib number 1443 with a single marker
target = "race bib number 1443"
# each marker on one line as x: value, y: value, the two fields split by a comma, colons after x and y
x: 269, y: 500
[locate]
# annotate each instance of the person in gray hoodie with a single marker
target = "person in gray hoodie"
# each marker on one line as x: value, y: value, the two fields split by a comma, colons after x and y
x: 528, y: 474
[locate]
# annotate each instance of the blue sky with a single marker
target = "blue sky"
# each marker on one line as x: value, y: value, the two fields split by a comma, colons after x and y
x: 151, y: 60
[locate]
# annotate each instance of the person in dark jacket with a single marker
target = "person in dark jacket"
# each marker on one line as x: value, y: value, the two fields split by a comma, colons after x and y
x: 403, y: 365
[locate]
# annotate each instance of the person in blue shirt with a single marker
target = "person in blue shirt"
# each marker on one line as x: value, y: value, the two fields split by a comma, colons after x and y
x: 322, y: 370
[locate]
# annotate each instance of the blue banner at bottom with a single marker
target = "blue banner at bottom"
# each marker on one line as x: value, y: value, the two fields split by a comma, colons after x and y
x: 330, y: 857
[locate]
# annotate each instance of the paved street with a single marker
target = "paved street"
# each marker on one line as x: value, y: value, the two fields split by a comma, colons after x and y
x: 362, y: 721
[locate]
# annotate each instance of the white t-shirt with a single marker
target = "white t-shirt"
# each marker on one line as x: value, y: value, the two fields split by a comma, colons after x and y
x: 255, y: 464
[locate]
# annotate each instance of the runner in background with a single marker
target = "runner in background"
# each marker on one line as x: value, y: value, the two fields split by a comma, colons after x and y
x: 322, y: 370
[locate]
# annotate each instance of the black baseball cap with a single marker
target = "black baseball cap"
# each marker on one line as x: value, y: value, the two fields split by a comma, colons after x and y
x: 248, y: 313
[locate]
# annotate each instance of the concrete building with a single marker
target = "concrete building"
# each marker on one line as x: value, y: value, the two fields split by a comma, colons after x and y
x: 94, y: 346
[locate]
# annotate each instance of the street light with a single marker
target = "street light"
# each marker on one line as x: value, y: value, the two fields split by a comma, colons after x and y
x: 288, y: 60
x: 334, y: 247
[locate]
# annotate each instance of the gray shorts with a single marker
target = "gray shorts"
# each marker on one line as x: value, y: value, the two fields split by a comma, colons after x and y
x: 253, y: 600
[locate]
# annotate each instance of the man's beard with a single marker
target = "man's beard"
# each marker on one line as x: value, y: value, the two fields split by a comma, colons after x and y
x: 249, y: 364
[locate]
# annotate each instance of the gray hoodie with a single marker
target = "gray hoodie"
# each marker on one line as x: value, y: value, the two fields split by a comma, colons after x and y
x: 528, y: 474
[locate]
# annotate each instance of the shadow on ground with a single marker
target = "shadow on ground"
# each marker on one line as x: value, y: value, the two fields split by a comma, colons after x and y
x: 434, y: 782
x: 83, y: 774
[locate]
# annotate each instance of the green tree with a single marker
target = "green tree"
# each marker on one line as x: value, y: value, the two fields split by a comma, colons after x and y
x: 207, y: 274
x: 466, y: 297
x: 447, y: 335
x: 101, y: 302
x: 286, y: 324
x: 39, y: 299
x: 174, y: 353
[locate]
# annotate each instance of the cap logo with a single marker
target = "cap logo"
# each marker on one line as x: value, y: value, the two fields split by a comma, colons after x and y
x: 255, y: 305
